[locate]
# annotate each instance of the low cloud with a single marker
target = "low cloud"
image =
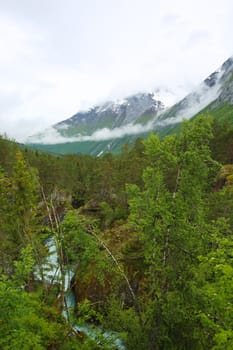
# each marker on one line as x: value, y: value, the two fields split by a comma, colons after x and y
x: 55, y: 64
x: 193, y: 103
x: 202, y: 96
x: 52, y: 136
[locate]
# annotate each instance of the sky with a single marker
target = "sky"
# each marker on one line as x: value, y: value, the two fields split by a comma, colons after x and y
x: 58, y: 57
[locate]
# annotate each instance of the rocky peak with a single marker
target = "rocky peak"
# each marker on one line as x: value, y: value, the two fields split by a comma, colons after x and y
x: 111, y: 114
x: 228, y: 65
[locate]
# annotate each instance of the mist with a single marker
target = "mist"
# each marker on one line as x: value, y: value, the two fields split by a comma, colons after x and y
x: 193, y: 103
x: 201, y: 97
x: 52, y: 136
x: 58, y: 58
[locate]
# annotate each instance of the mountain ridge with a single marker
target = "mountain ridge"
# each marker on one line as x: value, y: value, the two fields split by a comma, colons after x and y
x: 98, y: 130
x: 111, y: 115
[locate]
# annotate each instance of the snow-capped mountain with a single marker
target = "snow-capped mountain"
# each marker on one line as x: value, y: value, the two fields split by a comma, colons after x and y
x: 105, y: 128
x: 135, y: 109
x: 217, y: 88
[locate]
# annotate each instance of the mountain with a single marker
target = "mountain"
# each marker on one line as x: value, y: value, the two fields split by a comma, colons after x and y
x: 112, y: 115
x: 82, y: 132
x: 214, y: 92
x: 107, y: 127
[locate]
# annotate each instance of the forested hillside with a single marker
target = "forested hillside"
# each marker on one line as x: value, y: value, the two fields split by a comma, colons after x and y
x: 145, y: 238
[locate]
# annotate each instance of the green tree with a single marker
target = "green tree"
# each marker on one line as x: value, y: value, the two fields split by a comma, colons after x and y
x: 25, y: 321
x: 25, y: 191
x: 213, y: 289
x: 19, y: 222
x: 169, y: 216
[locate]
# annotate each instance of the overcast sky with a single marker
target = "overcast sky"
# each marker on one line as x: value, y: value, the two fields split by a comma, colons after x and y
x: 57, y: 56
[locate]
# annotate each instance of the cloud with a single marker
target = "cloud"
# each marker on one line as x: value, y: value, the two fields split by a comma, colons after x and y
x: 59, y: 57
x: 201, y: 97
x: 193, y: 103
x: 52, y: 136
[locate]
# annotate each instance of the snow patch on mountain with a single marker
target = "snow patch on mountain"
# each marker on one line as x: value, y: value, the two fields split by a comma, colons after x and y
x: 116, y: 119
x: 188, y: 107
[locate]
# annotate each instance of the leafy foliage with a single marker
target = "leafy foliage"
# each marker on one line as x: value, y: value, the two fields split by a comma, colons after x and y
x: 149, y: 240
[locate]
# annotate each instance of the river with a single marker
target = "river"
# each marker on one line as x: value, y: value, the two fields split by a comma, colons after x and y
x: 52, y: 275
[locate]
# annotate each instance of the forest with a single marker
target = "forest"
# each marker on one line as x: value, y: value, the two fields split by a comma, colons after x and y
x: 145, y: 236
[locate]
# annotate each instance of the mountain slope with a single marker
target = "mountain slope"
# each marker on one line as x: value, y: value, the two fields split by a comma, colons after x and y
x: 107, y: 127
x: 213, y: 91
x: 111, y: 115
